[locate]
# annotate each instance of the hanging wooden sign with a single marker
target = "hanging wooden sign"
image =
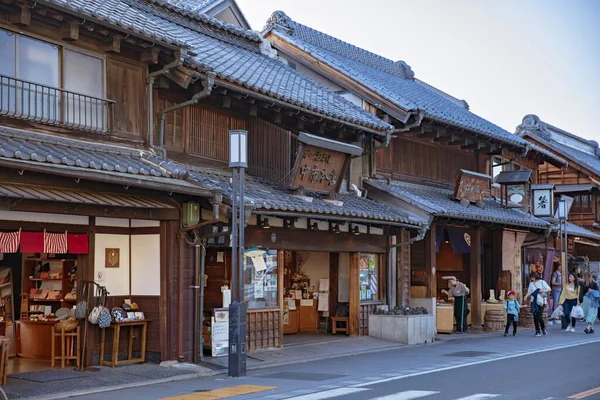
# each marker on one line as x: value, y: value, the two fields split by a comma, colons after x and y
x: 472, y: 186
x: 321, y: 163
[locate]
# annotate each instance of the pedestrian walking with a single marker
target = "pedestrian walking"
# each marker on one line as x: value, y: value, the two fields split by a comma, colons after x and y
x: 568, y: 300
x: 556, y: 284
x: 589, y: 296
x: 538, y: 291
x: 512, y: 307
x: 459, y: 292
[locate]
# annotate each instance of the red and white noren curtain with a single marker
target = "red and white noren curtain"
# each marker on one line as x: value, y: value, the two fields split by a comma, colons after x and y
x: 55, y: 243
x: 9, y: 241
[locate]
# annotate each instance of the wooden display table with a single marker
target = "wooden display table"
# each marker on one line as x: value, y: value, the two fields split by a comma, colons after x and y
x: 34, y: 339
x: 445, y: 320
x: 116, y: 327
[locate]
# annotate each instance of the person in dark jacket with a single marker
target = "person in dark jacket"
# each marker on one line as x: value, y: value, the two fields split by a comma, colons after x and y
x: 537, y: 287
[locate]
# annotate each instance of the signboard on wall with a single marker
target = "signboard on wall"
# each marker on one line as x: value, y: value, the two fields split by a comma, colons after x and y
x: 471, y: 186
x: 321, y: 163
x: 543, y: 200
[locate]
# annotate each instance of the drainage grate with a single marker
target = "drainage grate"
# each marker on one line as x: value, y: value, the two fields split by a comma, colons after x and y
x: 469, y: 354
x: 303, y: 376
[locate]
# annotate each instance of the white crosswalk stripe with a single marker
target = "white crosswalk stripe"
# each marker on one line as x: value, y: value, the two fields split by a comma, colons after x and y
x: 328, y: 394
x: 479, y: 396
x: 407, y: 395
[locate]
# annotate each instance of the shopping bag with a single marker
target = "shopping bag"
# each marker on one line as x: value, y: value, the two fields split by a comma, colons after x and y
x: 557, y: 313
x: 577, y: 312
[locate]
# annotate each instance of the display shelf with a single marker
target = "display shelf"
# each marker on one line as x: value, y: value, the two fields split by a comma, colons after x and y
x: 44, y: 280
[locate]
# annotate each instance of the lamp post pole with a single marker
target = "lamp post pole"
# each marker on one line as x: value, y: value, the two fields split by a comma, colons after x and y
x: 238, y: 140
x: 562, y: 216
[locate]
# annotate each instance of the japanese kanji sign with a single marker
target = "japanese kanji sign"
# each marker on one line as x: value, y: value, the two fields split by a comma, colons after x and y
x: 543, y: 202
x: 319, y: 169
x: 471, y: 186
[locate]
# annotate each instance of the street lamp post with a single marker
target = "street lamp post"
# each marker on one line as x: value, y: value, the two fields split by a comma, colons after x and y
x: 238, y: 154
x: 562, y: 217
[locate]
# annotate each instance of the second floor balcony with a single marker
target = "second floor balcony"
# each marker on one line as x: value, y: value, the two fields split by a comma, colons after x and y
x: 30, y: 101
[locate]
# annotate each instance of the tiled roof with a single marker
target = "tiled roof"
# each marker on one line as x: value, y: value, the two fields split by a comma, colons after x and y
x: 437, y: 202
x: 24, y: 146
x: 392, y: 80
x: 576, y: 230
x: 267, y: 197
x: 586, y: 160
x: 232, y: 53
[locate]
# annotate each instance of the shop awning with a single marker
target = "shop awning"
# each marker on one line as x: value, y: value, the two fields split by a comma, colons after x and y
x: 581, y: 232
x: 586, y: 187
x: 438, y: 202
x: 30, y: 192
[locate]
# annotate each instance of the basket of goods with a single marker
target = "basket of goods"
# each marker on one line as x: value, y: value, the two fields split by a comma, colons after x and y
x: 68, y: 325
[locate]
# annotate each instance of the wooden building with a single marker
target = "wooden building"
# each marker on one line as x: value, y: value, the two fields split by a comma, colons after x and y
x: 120, y: 149
x: 440, y: 164
x: 580, y: 180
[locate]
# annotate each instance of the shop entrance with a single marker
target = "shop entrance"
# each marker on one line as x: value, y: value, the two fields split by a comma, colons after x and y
x: 33, y: 288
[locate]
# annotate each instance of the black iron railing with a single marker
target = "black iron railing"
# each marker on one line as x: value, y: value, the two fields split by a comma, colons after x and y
x: 52, y: 106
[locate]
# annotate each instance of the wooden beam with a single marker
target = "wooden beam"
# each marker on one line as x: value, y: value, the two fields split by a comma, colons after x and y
x: 354, y: 296
x: 476, y: 277
x: 69, y: 31
x: 431, y: 262
x: 477, y: 146
x: 150, y: 56
x: 280, y: 290
x: 89, y: 26
x: 180, y: 77
x: 113, y: 45
x: 334, y: 261
x: 300, y: 124
x: 277, y: 118
x: 253, y: 110
x: 22, y: 17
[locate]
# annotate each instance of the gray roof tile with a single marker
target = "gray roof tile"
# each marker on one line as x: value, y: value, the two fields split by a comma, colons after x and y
x: 231, y: 52
x: 266, y: 197
x: 47, y: 149
x: 438, y: 202
x: 392, y: 80
x: 579, y: 231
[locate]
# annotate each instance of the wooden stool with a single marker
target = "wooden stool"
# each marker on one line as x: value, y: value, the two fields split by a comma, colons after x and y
x: 69, y: 342
x: 335, y: 320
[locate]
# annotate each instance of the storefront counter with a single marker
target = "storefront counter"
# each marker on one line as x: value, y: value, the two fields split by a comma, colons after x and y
x: 34, y: 339
x: 445, y: 318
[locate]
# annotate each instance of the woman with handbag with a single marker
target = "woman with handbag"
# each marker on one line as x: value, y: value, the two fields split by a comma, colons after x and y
x: 589, y: 297
x: 538, y: 291
x: 568, y: 300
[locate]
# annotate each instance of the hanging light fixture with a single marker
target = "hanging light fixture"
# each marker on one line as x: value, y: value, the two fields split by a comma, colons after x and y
x: 336, y: 228
x: 355, y: 231
x: 264, y: 223
x: 314, y: 226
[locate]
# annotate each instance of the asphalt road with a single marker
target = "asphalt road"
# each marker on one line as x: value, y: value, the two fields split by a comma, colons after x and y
x: 557, y: 366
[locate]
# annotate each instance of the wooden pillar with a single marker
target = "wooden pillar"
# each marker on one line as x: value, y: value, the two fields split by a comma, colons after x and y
x: 280, y: 289
x: 334, y: 262
x: 431, y: 261
x: 392, y: 276
x: 404, y: 269
x: 476, y: 275
x: 354, y: 296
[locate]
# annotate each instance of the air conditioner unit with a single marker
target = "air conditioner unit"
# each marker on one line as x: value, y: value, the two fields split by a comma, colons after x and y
x: 191, y: 214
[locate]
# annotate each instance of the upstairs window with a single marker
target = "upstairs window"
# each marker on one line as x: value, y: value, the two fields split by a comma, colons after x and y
x: 47, y: 83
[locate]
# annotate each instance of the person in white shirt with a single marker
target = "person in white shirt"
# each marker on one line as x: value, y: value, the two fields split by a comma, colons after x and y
x: 541, y: 287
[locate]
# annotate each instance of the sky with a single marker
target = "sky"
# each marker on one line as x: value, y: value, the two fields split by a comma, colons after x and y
x: 506, y: 58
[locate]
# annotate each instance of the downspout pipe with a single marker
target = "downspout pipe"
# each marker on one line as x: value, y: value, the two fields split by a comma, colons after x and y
x: 420, y: 235
x: 208, y: 81
x: 179, y: 58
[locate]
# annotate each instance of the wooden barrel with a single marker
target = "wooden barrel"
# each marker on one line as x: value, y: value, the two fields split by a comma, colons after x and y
x: 494, y: 321
x: 526, y: 317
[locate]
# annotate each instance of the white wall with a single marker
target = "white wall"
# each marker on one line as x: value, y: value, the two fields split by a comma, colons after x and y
x: 116, y: 280
x: 145, y: 265
x: 317, y: 267
x: 43, y: 217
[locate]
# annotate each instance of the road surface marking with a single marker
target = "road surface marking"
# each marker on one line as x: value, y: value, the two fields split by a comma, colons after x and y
x: 470, y: 364
x: 222, y: 393
x: 479, y: 396
x: 407, y: 395
x: 585, y: 394
x: 328, y: 394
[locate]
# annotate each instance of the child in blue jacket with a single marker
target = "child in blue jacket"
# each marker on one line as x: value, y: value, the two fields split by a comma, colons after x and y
x: 512, y: 307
